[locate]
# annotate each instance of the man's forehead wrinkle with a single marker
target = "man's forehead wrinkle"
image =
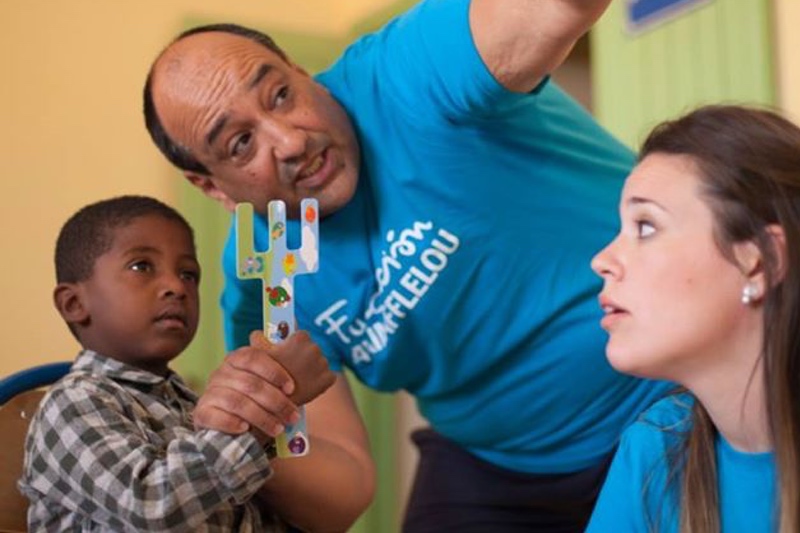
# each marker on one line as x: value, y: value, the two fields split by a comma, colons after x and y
x: 198, y: 75
x: 194, y: 85
x: 206, y: 74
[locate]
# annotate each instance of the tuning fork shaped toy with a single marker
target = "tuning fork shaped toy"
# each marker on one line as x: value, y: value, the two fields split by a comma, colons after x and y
x: 276, y: 267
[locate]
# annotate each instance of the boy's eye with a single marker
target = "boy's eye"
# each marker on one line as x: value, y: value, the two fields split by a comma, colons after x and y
x: 644, y: 229
x: 142, y: 266
x: 191, y: 275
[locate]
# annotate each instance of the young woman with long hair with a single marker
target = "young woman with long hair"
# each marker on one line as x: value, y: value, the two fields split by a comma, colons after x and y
x: 702, y: 287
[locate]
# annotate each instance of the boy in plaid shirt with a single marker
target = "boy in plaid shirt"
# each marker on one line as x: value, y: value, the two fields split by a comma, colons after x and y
x: 113, y: 446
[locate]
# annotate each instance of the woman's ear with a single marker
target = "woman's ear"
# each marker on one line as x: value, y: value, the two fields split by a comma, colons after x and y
x: 753, y: 265
x: 778, y: 243
x: 69, y: 301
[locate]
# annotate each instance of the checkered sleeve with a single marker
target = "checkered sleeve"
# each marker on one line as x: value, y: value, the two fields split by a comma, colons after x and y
x: 88, y: 450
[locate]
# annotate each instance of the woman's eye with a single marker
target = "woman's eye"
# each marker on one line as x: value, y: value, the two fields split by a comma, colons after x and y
x: 241, y: 144
x: 644, y: 229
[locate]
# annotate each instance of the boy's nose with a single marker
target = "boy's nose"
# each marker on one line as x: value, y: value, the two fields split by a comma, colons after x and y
x: 172, y: 286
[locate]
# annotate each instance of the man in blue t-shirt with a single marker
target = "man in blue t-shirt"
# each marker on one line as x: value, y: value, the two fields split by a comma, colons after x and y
x: 462, y: 197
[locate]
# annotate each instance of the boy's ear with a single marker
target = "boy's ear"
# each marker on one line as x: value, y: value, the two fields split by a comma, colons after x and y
x: 70, y: 304
x: 210, y: 189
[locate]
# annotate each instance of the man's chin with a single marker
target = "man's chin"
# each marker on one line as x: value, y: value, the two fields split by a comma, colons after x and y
x: 338, y: 195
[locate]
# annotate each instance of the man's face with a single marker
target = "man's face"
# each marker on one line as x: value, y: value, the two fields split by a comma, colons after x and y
x: 263, y: 127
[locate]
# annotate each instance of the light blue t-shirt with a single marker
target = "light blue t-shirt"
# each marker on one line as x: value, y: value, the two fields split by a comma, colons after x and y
x: 637, y: 498
x: 460, y: 269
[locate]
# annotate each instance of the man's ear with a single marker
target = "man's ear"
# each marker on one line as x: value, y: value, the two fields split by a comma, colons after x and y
x: 210, y: 189
x: 70, y: 304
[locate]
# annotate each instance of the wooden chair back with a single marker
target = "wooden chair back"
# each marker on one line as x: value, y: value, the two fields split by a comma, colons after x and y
x: 15, y: 416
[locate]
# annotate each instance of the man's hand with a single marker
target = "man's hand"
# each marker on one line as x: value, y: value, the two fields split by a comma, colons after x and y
x: 249, y: 390
x: 303, y: 360
x: 259, y: 387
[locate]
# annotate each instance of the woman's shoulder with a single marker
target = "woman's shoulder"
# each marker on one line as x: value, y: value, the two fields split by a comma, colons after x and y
x: 670, y: 412
x: 666, y: 419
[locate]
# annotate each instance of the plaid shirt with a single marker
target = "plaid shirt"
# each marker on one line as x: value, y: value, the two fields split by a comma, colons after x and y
x: 113, y: 448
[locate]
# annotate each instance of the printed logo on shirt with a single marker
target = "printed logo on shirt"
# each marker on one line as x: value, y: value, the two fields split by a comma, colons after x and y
x: 411, y: 262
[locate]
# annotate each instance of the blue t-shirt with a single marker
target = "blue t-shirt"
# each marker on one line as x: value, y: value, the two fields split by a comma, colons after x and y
x: 637, y: 497
x: 460, y: 269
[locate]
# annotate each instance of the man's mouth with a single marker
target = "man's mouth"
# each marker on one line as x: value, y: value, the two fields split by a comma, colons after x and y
x: 313, y: 167
x: 316, y: 171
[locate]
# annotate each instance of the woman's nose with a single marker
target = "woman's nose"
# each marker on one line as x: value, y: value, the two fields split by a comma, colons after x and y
x: 605, y: 263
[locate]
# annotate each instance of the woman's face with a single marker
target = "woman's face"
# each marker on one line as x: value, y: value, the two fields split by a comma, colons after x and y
x: 672, y: 302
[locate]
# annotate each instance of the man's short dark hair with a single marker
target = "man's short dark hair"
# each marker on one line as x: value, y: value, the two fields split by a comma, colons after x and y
x: 176, y: 154
x: 89, y: 233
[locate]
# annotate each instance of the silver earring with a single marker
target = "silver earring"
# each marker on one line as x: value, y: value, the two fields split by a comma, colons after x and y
x: 749, y: 292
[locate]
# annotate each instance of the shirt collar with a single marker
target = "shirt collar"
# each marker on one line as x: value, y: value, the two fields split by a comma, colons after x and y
x: 94, y: 363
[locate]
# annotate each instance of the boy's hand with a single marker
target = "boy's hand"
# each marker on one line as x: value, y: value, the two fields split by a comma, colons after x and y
x: 303, y: 360
x: 249, y: 390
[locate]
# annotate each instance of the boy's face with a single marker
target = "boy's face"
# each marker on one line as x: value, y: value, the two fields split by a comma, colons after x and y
x: 141, y: 299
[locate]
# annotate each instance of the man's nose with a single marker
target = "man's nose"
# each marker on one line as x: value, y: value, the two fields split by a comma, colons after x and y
x: 287, y: 140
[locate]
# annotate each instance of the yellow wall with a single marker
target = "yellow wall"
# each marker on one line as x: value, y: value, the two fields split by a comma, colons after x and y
x: 71, y: 74
x: 720, y: 51
x: 787, y: 19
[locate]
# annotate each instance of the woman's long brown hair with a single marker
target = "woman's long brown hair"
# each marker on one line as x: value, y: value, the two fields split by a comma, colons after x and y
x: 749, y: 161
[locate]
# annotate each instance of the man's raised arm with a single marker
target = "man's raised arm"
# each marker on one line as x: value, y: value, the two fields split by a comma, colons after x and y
x: 522, y: 41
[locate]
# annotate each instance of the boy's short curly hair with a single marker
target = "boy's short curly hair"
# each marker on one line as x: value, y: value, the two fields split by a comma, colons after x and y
x: 88, y: 233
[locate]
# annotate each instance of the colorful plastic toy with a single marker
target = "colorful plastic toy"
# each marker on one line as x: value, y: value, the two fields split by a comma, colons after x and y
x: 276, y: 267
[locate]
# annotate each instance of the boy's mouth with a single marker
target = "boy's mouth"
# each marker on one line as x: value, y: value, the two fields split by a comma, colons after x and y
x: 172, y: 318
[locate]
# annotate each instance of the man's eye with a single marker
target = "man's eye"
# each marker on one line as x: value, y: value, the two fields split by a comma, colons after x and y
x: 281, y: 95
x: 644, y: 229
x: 142, y: 266
x: 240, y: 144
